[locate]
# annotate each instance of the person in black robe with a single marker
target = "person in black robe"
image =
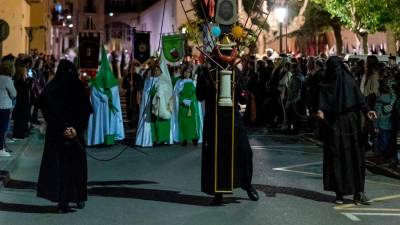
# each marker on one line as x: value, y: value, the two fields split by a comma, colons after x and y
x: 66, y: 109
x: 21, y: 112
x: 313, y: 79
x: 340, y: 106
x: 205, y: 91
x: 295, y: 105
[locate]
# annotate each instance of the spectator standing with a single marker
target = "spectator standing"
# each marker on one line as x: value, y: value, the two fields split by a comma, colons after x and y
x: 295, y: 105
x: 21, y: 112
x: 7, y: 94
x: 38, y: 85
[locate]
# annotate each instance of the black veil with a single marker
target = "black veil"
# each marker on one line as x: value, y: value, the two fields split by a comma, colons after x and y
x: 65, y: 98
x: 339, y: 91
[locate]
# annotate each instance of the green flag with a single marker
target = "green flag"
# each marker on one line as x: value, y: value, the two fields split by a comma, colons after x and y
x: 173, y: 47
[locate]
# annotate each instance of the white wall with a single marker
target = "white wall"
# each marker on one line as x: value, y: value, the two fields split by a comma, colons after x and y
x: 150, y: 20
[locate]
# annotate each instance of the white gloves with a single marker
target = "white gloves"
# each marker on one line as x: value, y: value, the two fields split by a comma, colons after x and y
x: 187, y: 102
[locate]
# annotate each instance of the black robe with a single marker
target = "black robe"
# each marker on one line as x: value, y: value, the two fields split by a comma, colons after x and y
x: 243, y: 165
x: 342, y: 103
x: 63, y: 172
x: 21, y: 113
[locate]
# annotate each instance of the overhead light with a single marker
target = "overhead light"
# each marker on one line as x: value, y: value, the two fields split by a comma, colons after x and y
x: 111, y: 14
x: 69, y: 17
x: 184, y: 29
x: 71, y: 25
x: 280, y: 14
x: 58, y: 7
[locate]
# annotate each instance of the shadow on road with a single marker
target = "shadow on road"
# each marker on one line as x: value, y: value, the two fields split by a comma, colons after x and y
x: 271, y: 191
x: 156, y: 195
x: 23, y: 208
x: 115, y: 189
x: 102, y: 188
x: 20, y: 184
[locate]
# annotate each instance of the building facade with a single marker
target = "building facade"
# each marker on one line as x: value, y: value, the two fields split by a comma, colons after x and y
x: 17, y: 14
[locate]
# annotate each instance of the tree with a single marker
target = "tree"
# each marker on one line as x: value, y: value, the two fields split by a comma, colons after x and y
x: 319, y: 20
x: 395, y: 13
x: 360, y: 16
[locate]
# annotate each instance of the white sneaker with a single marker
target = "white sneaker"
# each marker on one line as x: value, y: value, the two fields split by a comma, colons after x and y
x: 4, y: 153
x: 10, y: 140
x: 18, y: 139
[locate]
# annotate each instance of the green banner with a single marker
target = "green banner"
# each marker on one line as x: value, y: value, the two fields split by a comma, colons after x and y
x: 173, y: 47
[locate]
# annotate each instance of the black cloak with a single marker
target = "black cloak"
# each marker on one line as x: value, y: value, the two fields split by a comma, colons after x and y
x: 342, y: 103
x: 65, y: 103
x: 243, y: 165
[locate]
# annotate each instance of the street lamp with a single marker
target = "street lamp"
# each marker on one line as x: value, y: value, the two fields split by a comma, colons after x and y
x: 280, y: 14
x: 184, y: 29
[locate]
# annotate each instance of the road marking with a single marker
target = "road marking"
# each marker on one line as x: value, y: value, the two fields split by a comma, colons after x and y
x: 353, y: 216
x: 379, y: 199
x: 267, y: 135
x: 284, y: 150
x: 390, y: 197
x: 352, y: 207
x: 384, y: 183
x: 288, y: 169
x: 284, y: 146
x: 298, y: 165
x: 295, y: 171
x: 371, y: 209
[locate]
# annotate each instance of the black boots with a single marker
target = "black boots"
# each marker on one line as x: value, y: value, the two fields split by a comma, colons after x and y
x: 252, y: 193
x: 63, y: 207
x: 217, y: 200
x: 80, y: 205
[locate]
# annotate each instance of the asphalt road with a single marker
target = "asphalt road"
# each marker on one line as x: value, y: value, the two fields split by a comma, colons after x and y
x: 161, y: 186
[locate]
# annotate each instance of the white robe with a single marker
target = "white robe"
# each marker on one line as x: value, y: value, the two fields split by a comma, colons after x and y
x: 103, y: 122
x: 160, y: 106
x: 143, y: 133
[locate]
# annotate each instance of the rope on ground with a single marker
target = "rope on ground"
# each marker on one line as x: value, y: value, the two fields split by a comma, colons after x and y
x: 98, y: 159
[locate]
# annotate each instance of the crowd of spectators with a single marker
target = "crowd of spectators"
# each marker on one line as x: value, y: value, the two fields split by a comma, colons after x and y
x: 23, y: 80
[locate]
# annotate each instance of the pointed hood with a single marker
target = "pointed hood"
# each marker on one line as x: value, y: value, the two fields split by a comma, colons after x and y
x: 104, y: 78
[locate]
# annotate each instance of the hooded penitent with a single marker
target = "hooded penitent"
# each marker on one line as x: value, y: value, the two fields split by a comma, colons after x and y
x: 63, y: 171
x: 341, y: 102
x: 106, y: 124
x: 339, y: 91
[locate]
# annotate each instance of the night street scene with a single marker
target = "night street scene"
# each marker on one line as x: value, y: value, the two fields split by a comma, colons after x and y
x: 199, y: 112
